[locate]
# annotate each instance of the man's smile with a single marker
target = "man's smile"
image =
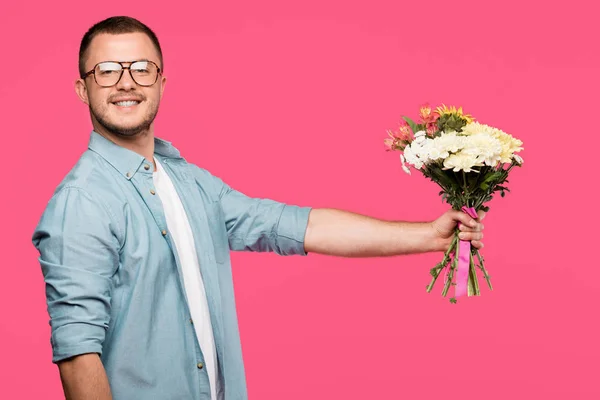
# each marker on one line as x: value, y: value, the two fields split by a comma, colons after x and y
x: 126, y: 103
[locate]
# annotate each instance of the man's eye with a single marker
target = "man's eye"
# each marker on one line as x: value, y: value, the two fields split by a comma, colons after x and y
x: 141, y: 71
x: 108, y: 72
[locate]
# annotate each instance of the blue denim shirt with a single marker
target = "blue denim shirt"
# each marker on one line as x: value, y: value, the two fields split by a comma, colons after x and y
x: 113, y: 280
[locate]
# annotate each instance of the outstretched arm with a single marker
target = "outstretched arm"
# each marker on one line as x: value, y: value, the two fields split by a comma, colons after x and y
x: 346, y: 234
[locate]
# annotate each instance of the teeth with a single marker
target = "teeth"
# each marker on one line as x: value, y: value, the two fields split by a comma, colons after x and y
x: 128, y: 103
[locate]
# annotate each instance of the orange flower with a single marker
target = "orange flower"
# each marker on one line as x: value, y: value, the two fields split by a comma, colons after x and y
x: 404, y: 132
x: 390, y: 144
x: 427, y: 115
x: 400, y: 139
x: 431, y: 128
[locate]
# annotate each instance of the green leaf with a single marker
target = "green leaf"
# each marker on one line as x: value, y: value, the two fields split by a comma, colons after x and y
x: 472, y: 179
x: 489, y: 179
x: 412, y: 124
x: 453, y: 300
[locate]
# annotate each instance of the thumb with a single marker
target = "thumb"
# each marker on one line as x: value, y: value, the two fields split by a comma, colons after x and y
x: 464, y: 218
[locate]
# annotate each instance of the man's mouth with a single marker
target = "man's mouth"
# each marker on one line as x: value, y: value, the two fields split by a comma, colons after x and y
x: 127, y: 103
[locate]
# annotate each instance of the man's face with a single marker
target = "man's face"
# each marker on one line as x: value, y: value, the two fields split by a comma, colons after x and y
x: 108, y: 111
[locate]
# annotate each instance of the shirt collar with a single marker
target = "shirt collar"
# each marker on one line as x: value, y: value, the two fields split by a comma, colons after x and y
x: 125, y: 161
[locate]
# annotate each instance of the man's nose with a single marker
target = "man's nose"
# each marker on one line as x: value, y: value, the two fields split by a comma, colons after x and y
x: 126, y: 82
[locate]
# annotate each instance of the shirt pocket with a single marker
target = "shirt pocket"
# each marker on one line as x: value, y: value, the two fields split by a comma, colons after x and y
x: 218, y: 231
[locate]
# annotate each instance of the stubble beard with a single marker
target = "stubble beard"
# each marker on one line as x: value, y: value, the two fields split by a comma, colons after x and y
x: 125, y: 131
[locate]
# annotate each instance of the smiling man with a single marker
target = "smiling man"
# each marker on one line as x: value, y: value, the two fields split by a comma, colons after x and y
x: 134, y: 243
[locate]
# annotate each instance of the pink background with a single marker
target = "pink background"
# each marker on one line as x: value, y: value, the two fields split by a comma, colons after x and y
x: 291, y: 101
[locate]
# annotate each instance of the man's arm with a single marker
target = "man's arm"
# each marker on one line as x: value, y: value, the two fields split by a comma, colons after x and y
x: 83, y: 377
x: 265, y: 225
x: 346, y: 234
x: 79, y: 254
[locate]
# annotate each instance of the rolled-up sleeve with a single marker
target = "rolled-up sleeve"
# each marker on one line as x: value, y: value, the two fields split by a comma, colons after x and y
x: 79, y: 253
x: 255, y: 224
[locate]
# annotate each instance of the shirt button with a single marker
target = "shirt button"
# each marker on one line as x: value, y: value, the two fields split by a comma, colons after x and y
x: 129, y: 174
x: 164, y: 233
x: 200, y: 365
x: 152, y: 192
x: 146, y: 167
x: 191, y: 321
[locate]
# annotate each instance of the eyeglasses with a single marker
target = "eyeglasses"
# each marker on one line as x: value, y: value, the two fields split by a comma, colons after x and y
x: 109, y: 73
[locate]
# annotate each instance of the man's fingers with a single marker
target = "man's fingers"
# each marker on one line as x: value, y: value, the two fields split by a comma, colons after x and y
x: 477, y: 244
x: 470, y: 235
x: 471, y: 229
x: 465, y: 228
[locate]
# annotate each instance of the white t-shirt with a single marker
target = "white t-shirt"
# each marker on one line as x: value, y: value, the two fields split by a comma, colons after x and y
x: 181, y: 232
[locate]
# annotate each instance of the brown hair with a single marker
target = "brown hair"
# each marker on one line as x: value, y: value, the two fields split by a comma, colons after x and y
x: 115, y: 26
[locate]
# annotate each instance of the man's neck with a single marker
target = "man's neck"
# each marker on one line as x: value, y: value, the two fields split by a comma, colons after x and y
x: 142, y: 143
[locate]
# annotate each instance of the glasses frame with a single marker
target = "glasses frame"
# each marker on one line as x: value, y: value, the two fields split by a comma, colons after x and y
x: 123, y: 68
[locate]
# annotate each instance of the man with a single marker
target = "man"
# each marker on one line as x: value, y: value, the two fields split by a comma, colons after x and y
x: 134, y: 244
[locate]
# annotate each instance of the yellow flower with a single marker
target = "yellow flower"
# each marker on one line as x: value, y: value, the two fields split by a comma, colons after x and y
x: 510, y: 145
x: 458, y: 112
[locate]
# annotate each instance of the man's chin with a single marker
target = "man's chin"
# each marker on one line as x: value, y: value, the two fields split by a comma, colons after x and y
x: 127, y: 130
x: 131, y: 131
x: 125, y: 126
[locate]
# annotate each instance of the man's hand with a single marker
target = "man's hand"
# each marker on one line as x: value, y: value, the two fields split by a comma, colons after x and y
x: 445, y: 225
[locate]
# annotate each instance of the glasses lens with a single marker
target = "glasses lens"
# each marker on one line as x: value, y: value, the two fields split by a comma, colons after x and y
x: 144, y: 73
x: 107, y: 73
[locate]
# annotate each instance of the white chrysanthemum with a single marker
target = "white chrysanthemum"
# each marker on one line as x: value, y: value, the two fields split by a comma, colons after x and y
x: 416, y: 154
x: 485, y: 148
x: 450, y: 142
x: 518, y: 158
x: 424, y: 150
x: 477, y: 145
x: 421, y: 150
x: 410, y: 156
x: 462, y: 161
x: 435, y: 153
x: 510, y: 145
x: 442, y: 146
x: 404, y: 167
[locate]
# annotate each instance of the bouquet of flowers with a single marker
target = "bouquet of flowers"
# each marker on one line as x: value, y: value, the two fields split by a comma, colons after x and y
x: 470, y: 161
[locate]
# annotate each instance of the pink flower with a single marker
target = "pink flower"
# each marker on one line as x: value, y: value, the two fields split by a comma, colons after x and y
x: 400, y: 139
x: 427, y: 115
x: 431, y: 128
x: 390, y: 144
x: 404, y: 132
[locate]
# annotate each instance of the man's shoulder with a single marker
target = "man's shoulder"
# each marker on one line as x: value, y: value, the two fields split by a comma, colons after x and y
x: 89, y: 174
x: 90, y: 179
x: 91, y: 184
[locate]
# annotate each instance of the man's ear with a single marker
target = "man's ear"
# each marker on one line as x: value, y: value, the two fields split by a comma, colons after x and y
x: 81, y: 90
x: 163, y: 82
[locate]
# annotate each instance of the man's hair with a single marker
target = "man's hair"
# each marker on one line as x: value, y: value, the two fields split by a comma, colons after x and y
x: 115, y: 26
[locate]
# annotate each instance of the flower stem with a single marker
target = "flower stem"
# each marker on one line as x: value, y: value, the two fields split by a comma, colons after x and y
x: 465, y: 189
x: 435, y: 271
x: 453, y: 265
x: 450, y: 277
x: 482, y: 267
x: 473, y: 282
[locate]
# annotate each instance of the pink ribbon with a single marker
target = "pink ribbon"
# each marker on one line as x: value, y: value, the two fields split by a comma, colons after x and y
x: 464, y: 254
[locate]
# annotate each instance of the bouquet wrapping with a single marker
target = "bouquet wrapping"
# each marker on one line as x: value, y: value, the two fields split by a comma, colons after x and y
x: 470, y: 161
